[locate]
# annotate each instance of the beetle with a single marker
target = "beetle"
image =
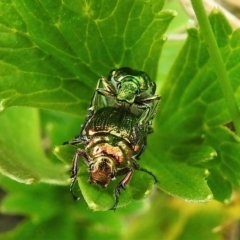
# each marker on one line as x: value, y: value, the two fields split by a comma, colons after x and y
x: 131, y: 89
x: 112, y: 141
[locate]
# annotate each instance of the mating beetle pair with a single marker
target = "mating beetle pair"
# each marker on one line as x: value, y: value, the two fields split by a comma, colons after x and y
x: 115, y: 130
x: 130, y: 89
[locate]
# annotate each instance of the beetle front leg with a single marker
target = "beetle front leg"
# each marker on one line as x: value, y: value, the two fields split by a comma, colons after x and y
x: 106, y: 85
x: 106, y: 91
x: 121, y: 185
x: 151, y: 106
x: 155, y: 108
x: 94, y: 101
x: 74, y: 169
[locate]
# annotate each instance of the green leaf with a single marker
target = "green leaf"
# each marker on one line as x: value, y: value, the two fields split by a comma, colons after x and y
x: 54, y: 66
x: 21, y: 155
x: 191, y: 117
x: 52, y: 53
x: 28, y: 200
x: 228, y: 154
x: 221, y: 188
x: 175, y: 174
x: 59, y: 50
x: 42, y: 204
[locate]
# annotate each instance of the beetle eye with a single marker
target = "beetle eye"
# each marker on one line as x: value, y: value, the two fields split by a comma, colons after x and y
x: 91, y: 166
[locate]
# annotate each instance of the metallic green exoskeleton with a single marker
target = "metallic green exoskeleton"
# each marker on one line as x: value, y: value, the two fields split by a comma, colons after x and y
x: 132, y: 89
x: 111, y: 140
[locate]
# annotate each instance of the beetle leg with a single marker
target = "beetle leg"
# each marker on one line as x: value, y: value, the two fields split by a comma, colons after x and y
x: 106, y: 91
x: 150, y: 111
x: 146, y: 115
x: 142, y: 149
x: 152, y: 98
x: 107, y: 85
x: 74, y: 141
x: 155, y: 108
x: 94, y: 101
x: 94, y: 104
x: 137, y: 167
x: 121, y: 185
x: 74, y: 169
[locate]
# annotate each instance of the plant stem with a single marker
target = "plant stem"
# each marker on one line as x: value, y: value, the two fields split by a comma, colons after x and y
x: 217, y: 62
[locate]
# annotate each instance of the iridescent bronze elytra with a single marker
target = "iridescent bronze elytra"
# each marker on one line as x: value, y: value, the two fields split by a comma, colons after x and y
x: 114, y: 135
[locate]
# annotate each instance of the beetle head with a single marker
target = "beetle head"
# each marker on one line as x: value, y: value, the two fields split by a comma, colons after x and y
x: 101, y: 170
x: 127, y: 89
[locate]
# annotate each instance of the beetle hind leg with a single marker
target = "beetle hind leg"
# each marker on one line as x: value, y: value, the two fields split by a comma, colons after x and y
x: 137, y: 167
